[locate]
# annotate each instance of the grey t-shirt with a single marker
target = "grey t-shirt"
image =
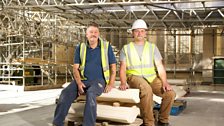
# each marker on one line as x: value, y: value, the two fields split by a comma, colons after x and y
x: 139, y: 49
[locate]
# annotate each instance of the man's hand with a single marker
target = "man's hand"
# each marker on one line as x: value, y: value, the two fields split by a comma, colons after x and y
x: 123, y: 86
x: 108, y: 88
x: 81, y: 87
x: 167, y: 87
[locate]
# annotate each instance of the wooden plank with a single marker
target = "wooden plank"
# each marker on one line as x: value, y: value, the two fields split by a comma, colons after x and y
x: 120, y: 114
x: 116, y: 95
x: 41, y: 87
x: 39, y: 61
x: 177, y: 81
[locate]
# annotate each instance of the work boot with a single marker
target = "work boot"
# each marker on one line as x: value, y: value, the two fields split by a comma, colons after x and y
x: 162, y: 124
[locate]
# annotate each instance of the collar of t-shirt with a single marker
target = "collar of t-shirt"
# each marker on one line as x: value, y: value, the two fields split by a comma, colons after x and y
x: 139, y: 49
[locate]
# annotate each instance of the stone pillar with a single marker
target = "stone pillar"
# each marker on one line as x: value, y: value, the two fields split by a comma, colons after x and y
x: 209, y: 39
x: 219, y: 46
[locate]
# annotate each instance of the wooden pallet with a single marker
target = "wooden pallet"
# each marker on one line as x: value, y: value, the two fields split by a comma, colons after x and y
x: 177, y: 108
x: 137, y: 122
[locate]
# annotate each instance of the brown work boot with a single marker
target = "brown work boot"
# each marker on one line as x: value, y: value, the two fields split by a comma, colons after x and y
x: 162, y: 124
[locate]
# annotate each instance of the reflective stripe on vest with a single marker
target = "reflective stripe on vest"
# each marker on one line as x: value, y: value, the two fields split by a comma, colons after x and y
x: 143, y: 66
x: 104, y: 59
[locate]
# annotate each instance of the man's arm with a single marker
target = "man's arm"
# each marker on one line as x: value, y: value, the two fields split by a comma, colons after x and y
x: 112, y: 78
x: 123, y: 85
x: 77, y: 77
x: 162, y: 75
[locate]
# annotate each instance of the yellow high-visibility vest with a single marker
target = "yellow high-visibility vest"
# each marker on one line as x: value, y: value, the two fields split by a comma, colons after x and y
x: 143, y: 66
x: 104, y: 59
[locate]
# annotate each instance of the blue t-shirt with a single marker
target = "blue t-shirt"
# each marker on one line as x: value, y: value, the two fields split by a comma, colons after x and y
x: 93, y: 67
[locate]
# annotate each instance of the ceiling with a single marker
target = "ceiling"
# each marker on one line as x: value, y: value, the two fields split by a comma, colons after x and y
x: 119, y: 14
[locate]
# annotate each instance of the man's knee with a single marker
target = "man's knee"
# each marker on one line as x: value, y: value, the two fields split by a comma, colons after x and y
x: 64, y: 93
x: 101, y: 87
x: 170, y: 95
x: 68, y: 94
x: 64, y: 96
x: 91, y: 98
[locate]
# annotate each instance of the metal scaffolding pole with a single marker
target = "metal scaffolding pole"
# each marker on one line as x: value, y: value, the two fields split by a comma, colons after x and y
x: 29, y: 44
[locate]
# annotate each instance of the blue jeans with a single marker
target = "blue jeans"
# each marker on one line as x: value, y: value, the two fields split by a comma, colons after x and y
x: 70, y: 93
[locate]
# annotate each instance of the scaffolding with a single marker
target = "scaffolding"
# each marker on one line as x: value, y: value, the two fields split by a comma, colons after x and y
x: 36, y: 48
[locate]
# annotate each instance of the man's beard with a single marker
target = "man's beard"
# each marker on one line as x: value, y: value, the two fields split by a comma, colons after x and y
x: 140, y: 38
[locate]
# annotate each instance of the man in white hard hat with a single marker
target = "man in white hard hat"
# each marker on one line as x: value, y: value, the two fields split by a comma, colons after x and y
x: 138, y: 63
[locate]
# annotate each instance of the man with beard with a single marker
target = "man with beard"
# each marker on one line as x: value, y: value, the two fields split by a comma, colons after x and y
x: 94, y: 73
x: 138, y: 63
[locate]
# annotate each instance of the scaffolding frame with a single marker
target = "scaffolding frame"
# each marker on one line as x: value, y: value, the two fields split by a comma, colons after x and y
x: 114, y: 14
x: 30, y: 41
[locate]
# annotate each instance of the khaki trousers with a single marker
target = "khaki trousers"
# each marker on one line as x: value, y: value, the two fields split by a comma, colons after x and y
x: 146, y: 98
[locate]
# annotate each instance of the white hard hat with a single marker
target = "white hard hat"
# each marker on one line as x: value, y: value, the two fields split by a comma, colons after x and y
x: 139, y: 23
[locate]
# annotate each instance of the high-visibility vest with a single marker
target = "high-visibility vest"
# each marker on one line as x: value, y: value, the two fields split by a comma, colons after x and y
x: 104, y: 59
x: 143, y: 66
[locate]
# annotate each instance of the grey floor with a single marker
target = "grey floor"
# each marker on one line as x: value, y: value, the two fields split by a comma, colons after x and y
x: 205, y: 107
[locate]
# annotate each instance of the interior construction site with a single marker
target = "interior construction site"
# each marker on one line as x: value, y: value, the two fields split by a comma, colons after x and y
x: 38, y: 39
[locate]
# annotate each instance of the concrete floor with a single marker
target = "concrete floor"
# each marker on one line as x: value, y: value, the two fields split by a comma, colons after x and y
x: 36, y: 108
x: 203, y: 109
